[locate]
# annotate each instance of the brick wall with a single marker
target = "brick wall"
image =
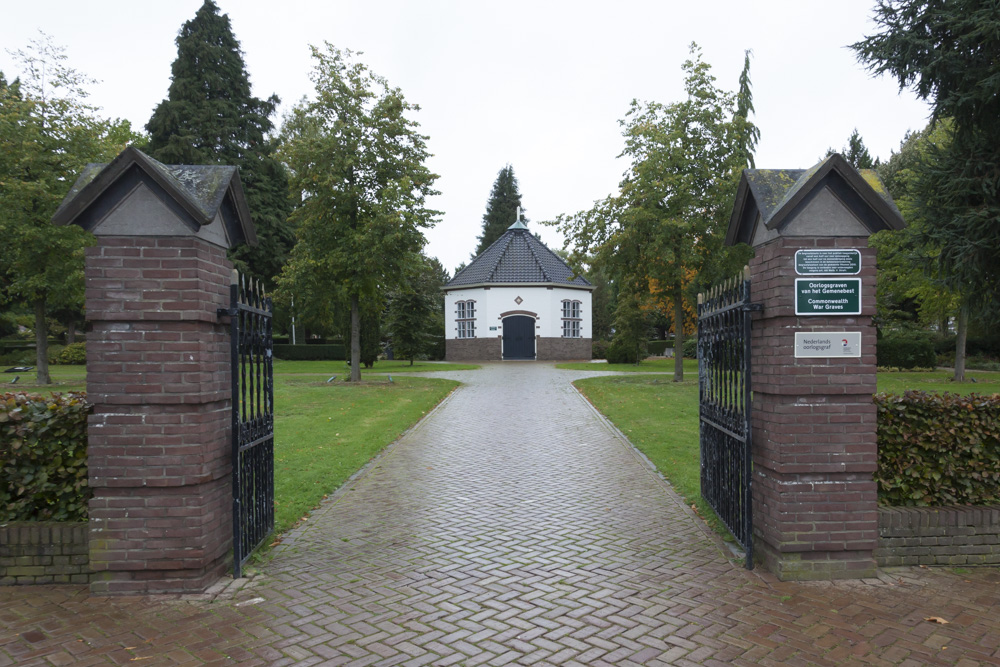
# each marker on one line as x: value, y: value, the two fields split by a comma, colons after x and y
x: 159, y: 451
x: 815, y: 503
x: 938, y: 536
x: 563, y: 349
x: 44, y: 552
x: 472, y: 349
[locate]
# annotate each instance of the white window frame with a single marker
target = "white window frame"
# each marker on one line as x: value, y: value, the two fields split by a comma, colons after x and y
x: 465, y: 318
x: 571, y: 318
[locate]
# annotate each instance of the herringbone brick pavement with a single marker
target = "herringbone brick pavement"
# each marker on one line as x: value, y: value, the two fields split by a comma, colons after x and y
x: 514, y: 527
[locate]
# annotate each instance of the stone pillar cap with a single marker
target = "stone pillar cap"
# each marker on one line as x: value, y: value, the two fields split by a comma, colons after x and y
x: 830, y: 199
x: 134, y: 195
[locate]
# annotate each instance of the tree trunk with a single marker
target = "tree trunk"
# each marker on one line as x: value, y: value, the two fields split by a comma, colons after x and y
x: 355, y: 341
x: 963, y: 330
x: 678, y: 333
x: 71, y: 331
x: 41, y: 344
x: 411, y: 360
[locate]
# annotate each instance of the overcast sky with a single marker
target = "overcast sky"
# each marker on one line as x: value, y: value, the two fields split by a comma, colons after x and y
x: 539, y: 85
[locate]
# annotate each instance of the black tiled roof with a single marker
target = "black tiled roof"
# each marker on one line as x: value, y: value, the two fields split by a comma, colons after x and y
x: 517, y: 257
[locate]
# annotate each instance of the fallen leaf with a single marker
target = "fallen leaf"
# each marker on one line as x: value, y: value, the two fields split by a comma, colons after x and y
x: 937, y: 619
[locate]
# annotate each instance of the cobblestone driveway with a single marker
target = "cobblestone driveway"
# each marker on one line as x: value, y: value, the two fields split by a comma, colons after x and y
x: 514, y: 527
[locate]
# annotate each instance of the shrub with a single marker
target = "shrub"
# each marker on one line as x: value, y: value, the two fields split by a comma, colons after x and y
x: 938, y: 449
x: 53, y: 352
x: 906, y: 349
x: 621, y: 351
x: 599, y: 349
x: 332, y: 352
x: 18, y: 358
x: 43, y: 472
x: 74, y: 354
x: 691, y: 347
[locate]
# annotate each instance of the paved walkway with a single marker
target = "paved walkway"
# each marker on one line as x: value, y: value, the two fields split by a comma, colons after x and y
x: 513, y: 527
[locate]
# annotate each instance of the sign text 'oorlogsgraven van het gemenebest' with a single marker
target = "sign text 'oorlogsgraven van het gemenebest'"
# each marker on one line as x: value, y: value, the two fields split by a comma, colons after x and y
x: 827, y: 296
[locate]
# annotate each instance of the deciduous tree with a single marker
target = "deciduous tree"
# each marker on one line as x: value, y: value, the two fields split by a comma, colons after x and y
x: 669, y: 217
x: 48, y: 132
x: 358, y: 172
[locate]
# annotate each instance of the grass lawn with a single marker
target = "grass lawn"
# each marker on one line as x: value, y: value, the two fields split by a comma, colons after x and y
x: 64, y: 378
x: 896, y: 382
x: 647, y: 366
x: 325, y: 432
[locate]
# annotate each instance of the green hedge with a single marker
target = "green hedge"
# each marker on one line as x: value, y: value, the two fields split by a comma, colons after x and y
x: 657, y: 347
x: 43, y: 469
x: 906, y: 349
x: 334, y: 351
x: 938, y: 449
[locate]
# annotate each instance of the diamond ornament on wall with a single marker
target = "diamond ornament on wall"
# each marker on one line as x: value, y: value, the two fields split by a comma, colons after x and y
x: 518, y: 301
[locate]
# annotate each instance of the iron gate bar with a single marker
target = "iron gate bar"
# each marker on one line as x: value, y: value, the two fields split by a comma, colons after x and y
x: 724, y: 389
x: 252, y: 374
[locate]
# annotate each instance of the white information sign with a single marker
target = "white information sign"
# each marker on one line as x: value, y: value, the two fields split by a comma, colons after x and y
x: 828, y: 344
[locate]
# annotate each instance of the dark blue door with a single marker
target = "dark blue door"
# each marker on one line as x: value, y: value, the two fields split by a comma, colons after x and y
x: 519, y: 337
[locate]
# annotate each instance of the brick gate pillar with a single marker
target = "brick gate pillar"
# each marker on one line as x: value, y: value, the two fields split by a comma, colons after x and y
x: 158, y: 369
x: 813, y: 346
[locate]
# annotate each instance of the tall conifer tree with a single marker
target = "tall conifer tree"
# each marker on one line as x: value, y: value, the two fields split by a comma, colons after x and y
x: 211, y: 117
x: 501, y: 209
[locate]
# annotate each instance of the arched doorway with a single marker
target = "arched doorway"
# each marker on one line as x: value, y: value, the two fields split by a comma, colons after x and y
x: 519, y: 337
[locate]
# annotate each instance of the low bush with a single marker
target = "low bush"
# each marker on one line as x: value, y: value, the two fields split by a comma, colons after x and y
x: 906, y: 349
x: 691, y: 347
x: 621, y: 351
x: 311, y: 352
x: 43, y: 468
x: 73, y: 354
x: 938, y: 449
x: 599, y: 349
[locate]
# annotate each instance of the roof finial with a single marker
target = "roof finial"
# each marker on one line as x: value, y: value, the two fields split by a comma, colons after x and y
x: 517, y: 223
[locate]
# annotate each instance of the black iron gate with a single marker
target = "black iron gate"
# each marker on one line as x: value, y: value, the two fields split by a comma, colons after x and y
x: 253, y: 417
x: 724, y: 316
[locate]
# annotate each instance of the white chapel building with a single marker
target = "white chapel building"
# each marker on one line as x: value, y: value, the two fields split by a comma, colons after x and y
x: 517, y: 300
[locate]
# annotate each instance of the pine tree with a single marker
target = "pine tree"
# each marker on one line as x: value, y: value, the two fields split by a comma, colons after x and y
x: 501, y: 209
x: 211, y: 117
x: 856, y: 152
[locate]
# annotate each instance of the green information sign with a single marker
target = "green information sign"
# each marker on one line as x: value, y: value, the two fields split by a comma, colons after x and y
x: 826, y: 262
x: 828, y: 296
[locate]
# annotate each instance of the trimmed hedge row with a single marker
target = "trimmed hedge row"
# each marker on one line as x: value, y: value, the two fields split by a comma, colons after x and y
x: 938, y: 449
x: 330, y: 352
x: 906, y: 349
x: 43, y: 457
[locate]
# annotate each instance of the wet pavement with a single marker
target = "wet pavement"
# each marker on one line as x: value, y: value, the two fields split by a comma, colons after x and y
x: 513, y: 526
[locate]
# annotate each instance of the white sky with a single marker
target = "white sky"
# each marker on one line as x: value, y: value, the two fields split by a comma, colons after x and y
x: 539, y: 85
